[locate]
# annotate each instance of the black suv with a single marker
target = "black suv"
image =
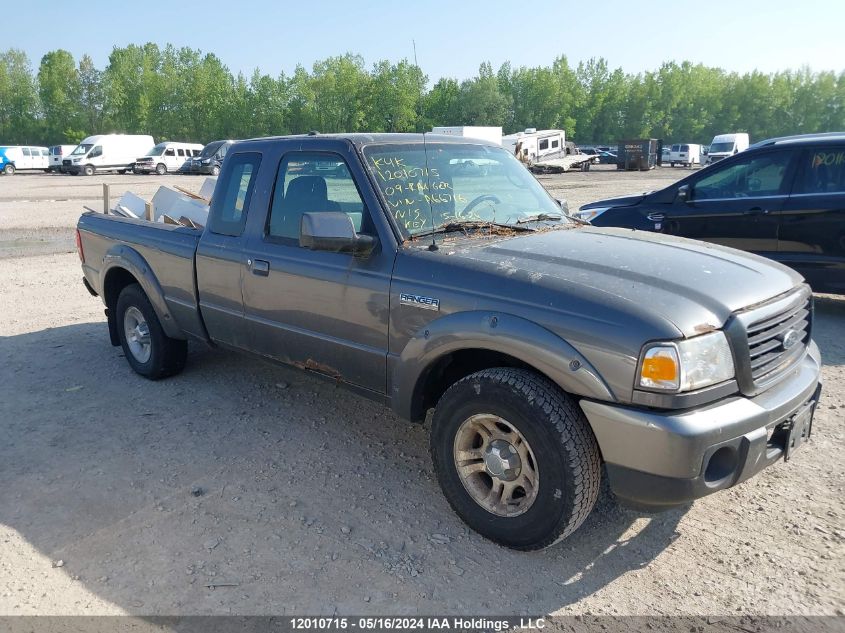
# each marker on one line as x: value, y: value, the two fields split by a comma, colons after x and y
x: 783, y: 198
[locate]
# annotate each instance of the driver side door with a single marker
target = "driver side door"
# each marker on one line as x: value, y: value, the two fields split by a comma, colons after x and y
x: 737, y: 203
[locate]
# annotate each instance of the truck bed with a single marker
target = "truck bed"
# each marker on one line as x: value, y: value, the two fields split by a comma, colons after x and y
x: 170, y: 250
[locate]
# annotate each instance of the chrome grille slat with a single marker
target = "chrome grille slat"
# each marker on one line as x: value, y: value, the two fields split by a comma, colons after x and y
x: 776, y: 320
x: 798, y: 322
x: 767, y: 356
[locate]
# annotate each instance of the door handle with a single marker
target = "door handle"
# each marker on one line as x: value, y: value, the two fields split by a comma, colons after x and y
x: 656, y: 217
x: 259, y: 267
x: 758, y: 211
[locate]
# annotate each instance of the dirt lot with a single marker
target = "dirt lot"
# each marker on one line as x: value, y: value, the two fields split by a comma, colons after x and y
x: 121, y: 495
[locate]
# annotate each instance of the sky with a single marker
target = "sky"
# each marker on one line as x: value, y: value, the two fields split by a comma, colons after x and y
x: 452, y: 37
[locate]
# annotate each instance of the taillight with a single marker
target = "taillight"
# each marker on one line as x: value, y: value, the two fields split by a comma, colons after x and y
x: 79, y: 247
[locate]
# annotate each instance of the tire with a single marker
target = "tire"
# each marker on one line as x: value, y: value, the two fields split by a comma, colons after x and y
x: 671, y: 164
x: 161, y: 356
x: 9, y: 170
x: 215, y: 171
x: 88, y: 170
x: 161, y: 169
x: 551, y: 436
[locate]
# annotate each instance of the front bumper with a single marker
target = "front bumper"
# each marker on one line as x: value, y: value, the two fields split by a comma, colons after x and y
x: 196, y: 169
x: 146, y: 168
x: 657, y: 460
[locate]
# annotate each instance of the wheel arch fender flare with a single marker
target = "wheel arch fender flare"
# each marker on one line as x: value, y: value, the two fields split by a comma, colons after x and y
x: 515, y: 336
x: 123, y: 257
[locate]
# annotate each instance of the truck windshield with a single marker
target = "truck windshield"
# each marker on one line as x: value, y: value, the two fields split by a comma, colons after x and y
x: 158, y: 150
x: 436, y: 185
x: 715, y: 148
x: 211, y: 149
x: 82, y: 149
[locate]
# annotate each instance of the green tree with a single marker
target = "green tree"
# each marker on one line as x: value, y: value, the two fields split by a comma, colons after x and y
x: 20, y: 117
x: 60, y: 91
x: 340, y: 86
x: 481, y: 100
x: 396, y: 97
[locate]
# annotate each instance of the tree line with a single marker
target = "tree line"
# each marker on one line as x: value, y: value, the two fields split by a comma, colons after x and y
x: 184, y: 94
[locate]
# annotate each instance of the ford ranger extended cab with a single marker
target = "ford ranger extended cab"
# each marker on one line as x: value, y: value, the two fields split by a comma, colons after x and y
x: 550, y: 351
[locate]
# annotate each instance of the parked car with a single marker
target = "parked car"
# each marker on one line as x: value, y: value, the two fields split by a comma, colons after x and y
x: 57, y: 154
x: 165, y: 157
x: 591, y: 151
x: 686, y: 154
x: 547, y: 348
x: 783, y: 198
x: 107, y: 152
x: 607, y: 158
x: 14, y: 158
x: 209, y: 161
x: 725, y: 145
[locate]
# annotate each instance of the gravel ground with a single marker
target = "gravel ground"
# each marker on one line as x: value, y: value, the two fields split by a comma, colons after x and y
x: 240, y: 487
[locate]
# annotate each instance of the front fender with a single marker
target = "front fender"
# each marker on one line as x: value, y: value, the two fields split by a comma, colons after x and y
x: 524, y: 340
x: 121, y: 256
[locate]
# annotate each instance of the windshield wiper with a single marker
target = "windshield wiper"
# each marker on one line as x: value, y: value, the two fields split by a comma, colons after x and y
x: 463, y: 225
x: 539, y: 217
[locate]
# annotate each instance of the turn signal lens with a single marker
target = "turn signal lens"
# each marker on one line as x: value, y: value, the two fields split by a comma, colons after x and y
x: 661, y: 368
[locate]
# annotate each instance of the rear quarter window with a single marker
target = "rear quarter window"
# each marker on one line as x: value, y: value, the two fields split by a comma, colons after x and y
x: 823, y: 173
x: 229, y: 207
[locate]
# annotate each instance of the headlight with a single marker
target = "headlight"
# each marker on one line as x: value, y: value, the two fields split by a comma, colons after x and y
x: 206, y: 161
x: 686, y: 365
x: 588, y: 215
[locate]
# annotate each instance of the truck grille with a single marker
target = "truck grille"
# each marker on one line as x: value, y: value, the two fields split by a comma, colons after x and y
x: 776, y: 341
x: 66, y: 162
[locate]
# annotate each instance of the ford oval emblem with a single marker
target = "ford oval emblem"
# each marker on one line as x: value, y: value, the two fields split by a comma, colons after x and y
x: 790, y: 338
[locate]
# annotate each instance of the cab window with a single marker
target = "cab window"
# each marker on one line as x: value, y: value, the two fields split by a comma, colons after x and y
x: 26, y: 151
x: 823, y: 172
x: 754, y: 176
x: 312, y: 182
x: 229, y: 207
x: 170, y: 152
x: 97, y: 151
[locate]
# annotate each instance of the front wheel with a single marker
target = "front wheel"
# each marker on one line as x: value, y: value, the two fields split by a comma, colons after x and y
x: 161, y: 169
x: 149, y: 351
x: 215, y: 171
x: 9, y: 170
x: 515, y: 457
x: 88, y: 170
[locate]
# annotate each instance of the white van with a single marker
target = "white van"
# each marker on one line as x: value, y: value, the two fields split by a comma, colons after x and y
x: 165, y: 157
x: 57, y: 154
x: 725, y: 145
x: 107, y: 152
x: 686, y: 154
x: 27, y: 158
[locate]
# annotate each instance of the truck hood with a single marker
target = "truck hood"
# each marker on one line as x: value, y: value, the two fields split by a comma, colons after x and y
x: 621, y: 201
x: 693, y: 285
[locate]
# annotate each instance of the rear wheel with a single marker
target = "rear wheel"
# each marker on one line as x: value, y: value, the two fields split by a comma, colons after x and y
x: 515, y: 457
x: 149, y: 351
x: 161, y: 169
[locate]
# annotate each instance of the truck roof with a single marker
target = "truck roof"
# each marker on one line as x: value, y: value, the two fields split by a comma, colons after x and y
x: 368, y: 138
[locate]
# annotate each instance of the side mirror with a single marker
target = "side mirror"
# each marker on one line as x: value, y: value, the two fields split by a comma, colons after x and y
x: 333, y: 231
x: 683, y: 194
x: 563, y: 204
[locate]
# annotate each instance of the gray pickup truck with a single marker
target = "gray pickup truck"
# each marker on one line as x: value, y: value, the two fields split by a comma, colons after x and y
x: 435, y: 273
